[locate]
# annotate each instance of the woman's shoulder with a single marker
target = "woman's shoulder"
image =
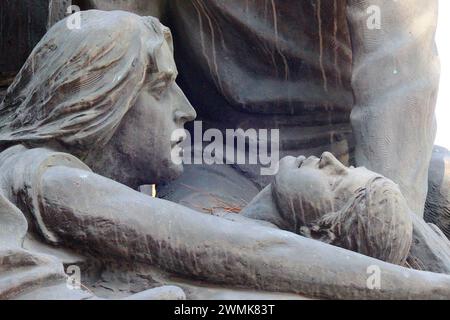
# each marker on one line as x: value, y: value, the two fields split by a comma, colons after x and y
x: 22, y: 167
x: 29, y: 160
x: 21, y: 173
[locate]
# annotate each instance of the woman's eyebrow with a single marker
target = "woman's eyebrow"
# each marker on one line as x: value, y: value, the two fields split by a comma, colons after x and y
x: 160, y: 76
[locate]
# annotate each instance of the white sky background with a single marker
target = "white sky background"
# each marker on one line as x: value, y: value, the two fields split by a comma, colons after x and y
x: 443, y: 104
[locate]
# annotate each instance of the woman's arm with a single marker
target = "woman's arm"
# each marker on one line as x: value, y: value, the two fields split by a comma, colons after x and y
x: 263, y: 208
x: 98, y: 215
x: 395, y: 82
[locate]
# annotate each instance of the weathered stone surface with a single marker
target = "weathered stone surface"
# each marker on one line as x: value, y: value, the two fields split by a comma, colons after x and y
x: 58, y: 9
x: 23, y: 24
x: 352, y: 208
x: 300, y: 65
x: 71, y: 163
x: 258, y: 74
x: 268, y: 64
x: 155, y: 8
x: 2, y: 94
x: 161, y: 293
x: 430, y: 249
x: 395, y: 81
x: 437, y: 207
x: 264, y: 57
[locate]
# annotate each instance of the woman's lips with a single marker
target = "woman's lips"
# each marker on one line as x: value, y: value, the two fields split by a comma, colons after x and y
x: 176, y: 145
x: 178, y: 141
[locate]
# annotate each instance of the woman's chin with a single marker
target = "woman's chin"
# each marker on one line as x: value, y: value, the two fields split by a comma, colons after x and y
x: 166, y: 174
x: 176, y: 170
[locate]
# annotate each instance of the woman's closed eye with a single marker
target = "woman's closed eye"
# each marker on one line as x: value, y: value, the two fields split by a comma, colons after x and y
x: 323, y: 162
x: 159, y: 88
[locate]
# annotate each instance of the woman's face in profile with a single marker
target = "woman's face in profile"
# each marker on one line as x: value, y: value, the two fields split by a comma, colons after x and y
x: 312, y: 187
x: 145, y: 132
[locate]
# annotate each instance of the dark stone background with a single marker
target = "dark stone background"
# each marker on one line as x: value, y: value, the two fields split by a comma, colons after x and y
x: 22, y: 25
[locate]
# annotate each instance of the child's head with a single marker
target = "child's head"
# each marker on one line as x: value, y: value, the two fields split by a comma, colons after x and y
x: 353, y: 208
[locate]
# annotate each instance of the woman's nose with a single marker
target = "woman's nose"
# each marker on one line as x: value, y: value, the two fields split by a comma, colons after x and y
x: 328, y: 158
x: 287, y: 162
x: 184, y: 111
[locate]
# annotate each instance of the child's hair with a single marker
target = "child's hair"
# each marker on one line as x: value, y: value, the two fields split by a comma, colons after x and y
x: 375, y: 222
x: 77, y: 85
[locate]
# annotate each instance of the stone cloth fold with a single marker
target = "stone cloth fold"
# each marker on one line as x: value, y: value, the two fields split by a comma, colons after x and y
x: 21, y: 270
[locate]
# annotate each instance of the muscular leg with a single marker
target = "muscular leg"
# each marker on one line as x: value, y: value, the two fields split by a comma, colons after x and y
x: 103, y: 217
x: 395, y: 82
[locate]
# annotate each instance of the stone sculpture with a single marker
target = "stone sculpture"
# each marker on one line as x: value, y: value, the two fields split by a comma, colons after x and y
x: 304, y: 67
x: 87, y: 120
x: 437, y: 207
x: 353, y: 208
x: 23, y: 24
x: 313, y: 63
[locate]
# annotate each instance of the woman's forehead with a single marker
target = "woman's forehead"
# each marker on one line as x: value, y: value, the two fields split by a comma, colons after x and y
x: 164, y: 59
x: 358, y: 177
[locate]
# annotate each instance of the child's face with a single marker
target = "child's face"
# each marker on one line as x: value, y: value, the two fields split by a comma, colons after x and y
x: 311, y: 187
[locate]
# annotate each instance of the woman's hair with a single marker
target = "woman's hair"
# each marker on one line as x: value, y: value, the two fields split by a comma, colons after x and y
x: 77, y: 84
x: 374, y: 222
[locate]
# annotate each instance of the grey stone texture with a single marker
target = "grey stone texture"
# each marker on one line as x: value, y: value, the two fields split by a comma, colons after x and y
x: 89, y: 119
